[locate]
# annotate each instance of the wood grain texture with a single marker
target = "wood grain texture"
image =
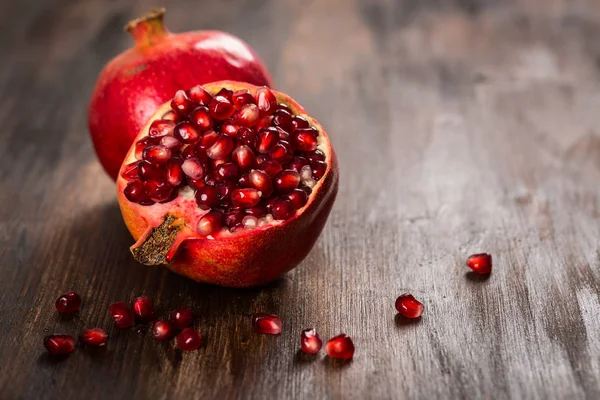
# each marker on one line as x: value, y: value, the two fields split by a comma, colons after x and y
x: 461, y: 126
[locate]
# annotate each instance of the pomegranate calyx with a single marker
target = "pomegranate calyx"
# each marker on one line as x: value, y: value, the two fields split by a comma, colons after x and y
x: 148, y: 29
x: 159, y: 244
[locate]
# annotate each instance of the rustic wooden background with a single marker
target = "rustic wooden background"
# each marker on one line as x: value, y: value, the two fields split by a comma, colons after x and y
x: 461, y: 126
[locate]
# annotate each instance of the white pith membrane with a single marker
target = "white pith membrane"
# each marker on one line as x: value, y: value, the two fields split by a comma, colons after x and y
x: 185, y: 203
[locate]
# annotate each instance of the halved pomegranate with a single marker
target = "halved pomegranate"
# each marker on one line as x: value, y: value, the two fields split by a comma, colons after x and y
x: 229, y: 184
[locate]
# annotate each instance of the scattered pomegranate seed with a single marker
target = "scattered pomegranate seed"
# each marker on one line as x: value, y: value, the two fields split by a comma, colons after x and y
x: 480, y: 263
x: 408, y: 306
x: 181, y: 317
x: 95, y: 337
x: 163, y: 330
x: 68, y: 303
x: 59, y: 345
x: 269, y: 324
x: 340, y: 346
x: 189, y: 339
x: 144, y: 309
x: 310, y: 342
x: 122, y: 315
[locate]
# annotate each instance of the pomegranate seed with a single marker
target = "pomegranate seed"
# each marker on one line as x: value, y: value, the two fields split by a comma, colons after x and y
x: 210, y: 223
x: 95, y: 337
x: 245, y: 197
x: 136, y: 192
x: 316, y: 155
x: 282, y: 209
x: 480, y: 263
x: 192, y: 167
x: 144, y: 309
x: 210, y: 179
x: 174, y: 173
x: 242, y: 97
x: 131, y: 172
x: 297, y: 163
x: 161, y: 127
x: 244, y: 181
x: 181, y: 103
x: 299, y: 122
x: 198, y: 95
x: 221, y: 108
x: 408, y: 306
x: 209, y: 138
x: 271, y: 167
x: 247, y: 116
x: 260, y: 180
x: 282, y: 152
x: 159, y: 190
x: 170, y: 143
x: 221, y: 148
x: 318, y: 169
x: 340, y: 346
x: 59, y: 345
x: 266, y: 101
x: 227, y: 93
x: 163, y: 330
x: 267, y: 139
x: 244, y: 157
x: 298, y: 198
x: 264, y: 122
x: 156, y: 154
x: 310, y: 342
x: 122, y: 315
x: 225, y: 189
x: 234, y: 218
x: 68, y: 303
x: 148, y: 171
x: 283, y: 119
x: 229, y: 129
x: 249, y: 222
x: 170, y: 116
x: 306, y: 139
x: 189, y: 339
x: 269, y: 324
x: 185, y: 132
x: 286, y: 181
x: 141, y: 144
x: 246, y: 136
x: 283, y: 135
x: 283, y: 106
x: 257, y: 211
x: 201, y: 118
x: 181, y: 317
x: 227, y: 172
x: 207, y: 197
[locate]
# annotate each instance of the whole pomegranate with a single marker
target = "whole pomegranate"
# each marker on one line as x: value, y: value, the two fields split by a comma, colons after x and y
x: 135, y: 83
x: 228, y: 183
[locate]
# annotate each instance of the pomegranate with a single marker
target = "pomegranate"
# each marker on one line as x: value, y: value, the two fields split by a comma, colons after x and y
x: 408, y: 306
x: 181, y: 317
x: 310, y: 342
x: 269, y: 324
x: 59, y: 345
x: 68, y: 303
x: 134, y: 84
x: 480, y: 263
x: 189, y: 339
x: 163, y: 330
x: 225, y: 207
x: 340, y: 346
x: 95, y: 337
x: 122, y: 315
x: 144, y: 309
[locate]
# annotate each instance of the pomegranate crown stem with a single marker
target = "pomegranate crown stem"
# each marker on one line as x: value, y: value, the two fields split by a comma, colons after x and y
x: 149, y: 28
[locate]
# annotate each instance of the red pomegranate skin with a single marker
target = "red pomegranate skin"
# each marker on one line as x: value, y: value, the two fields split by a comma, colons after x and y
x: 254, y: 257
x: 134, y: 84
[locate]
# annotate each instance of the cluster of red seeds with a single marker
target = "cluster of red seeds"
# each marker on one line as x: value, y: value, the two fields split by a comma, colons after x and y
x: 249, y: 159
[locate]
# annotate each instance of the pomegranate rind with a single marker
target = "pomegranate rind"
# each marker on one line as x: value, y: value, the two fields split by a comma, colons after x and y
x: 247, y: 257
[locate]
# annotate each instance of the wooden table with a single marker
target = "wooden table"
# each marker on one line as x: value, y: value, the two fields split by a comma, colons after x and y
x: 461, y: 126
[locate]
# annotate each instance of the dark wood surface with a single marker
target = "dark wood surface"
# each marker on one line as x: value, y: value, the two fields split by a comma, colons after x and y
x: 461, y: 126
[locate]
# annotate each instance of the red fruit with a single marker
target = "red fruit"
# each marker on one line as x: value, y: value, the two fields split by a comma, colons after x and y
x: 68, y: 303
x: 480, y: 263
x: 122, y: 315
x: 408, y: 306
x: 132, y: 86
x: 163, y: 330
x: 59, y: 345
x: 269, y: 324
x: 189, y: 339
x: 95, y: 337
x: 266, y: 101
x: 144, y: 309
x: 181, y: 317
x: 340, y: 346
x: 245, y: 208
x: 310, y: 342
